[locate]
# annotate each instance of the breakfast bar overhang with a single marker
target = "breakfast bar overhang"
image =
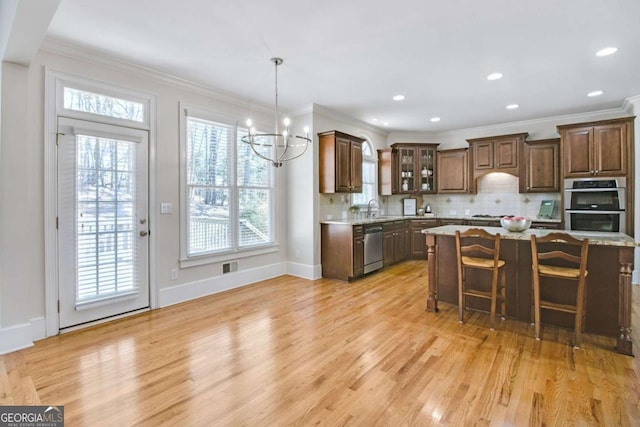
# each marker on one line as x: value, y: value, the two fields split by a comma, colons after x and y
x: 609, y: 263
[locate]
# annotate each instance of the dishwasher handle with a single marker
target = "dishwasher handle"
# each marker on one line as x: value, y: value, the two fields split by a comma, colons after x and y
x: 373, y: 229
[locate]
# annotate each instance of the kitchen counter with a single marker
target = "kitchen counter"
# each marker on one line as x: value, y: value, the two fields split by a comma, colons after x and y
x: 595, y: 237
x: 610, y: 264
x: 360, y: 221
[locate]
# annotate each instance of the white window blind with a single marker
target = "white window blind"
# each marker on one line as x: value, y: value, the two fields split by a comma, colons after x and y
x: 229, y: 190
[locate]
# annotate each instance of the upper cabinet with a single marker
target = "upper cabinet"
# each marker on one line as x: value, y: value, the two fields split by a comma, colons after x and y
x: 597, y: 149
x: 496, y: 154
x: 453, y: 171
x: 540, y: 169
x: 340, y: 162
x: 416, y: 168
x: 387, y: 171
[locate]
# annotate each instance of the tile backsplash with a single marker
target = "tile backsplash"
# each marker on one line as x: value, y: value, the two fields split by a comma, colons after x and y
x: 497, y: 195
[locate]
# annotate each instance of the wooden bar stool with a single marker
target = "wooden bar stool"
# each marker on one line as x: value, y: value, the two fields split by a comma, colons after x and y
x: 559, y: 265
x: 472, y: 254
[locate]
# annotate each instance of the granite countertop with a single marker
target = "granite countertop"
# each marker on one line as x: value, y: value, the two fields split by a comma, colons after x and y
x: 360, y: 221
x: 595, y: 237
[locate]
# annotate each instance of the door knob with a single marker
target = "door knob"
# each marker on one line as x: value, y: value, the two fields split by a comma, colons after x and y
x: 143, y: 233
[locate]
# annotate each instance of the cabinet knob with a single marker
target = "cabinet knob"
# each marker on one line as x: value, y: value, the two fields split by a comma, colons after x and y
x: 597, y: 171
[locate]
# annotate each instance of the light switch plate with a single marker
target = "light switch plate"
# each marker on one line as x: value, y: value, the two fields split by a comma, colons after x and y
x: 166, y: 207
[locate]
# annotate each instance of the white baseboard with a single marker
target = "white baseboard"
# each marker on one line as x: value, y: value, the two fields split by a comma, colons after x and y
x: 17, y: 337
x: 309, y: 272
x: 213, y: 285
x: 38, y: 328
x: 14, y: 338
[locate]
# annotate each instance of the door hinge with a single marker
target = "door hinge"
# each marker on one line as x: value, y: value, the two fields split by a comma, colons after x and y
x: 56, y: 223
x: 58, y: 306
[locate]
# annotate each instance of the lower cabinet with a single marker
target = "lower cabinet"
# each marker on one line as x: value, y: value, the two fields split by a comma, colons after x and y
x: 358, y: 251
x: 394, y: 242
x: 342, y: 251
x: 418, y: 242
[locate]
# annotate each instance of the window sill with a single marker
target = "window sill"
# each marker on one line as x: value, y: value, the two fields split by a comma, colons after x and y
x: 227, y: 256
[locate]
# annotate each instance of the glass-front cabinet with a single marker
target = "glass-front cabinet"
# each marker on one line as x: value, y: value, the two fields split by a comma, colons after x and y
x: 416, y: 168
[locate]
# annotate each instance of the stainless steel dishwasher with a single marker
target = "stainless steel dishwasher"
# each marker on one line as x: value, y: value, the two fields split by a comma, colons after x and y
x: 372, y: 248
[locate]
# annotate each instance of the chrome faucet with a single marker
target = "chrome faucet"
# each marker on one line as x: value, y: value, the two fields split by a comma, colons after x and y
x: 369, y: 207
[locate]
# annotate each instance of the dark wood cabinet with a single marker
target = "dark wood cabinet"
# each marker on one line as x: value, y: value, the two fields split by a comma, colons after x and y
x: 600, y: 149
x: 453, y: 171
x: 394, y: 242
x: 496, y: 154
x: 342, y: 251
x: 340, y: 162
x: 407, y: 169
x: 387, y: 172
x: 540, y: 172
x: 597, y: 149
x: 446, y: 221
x: 358, y: 251
x: 546, y: 225
x: 418, y: 242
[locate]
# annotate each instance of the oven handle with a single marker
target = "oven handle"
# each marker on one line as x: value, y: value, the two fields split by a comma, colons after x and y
x: 584, y: 211
x: 593, y: 190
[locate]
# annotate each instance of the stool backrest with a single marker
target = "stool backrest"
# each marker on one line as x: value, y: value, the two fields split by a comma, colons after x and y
x: 475, y: 248
x: 541, y: 254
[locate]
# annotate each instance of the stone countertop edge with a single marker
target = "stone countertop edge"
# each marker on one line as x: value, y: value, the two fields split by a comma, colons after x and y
x: 360, y: 221
x: 598, y: 238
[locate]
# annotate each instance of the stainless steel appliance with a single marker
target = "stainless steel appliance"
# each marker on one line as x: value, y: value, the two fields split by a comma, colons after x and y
x: 595, y: 204
x: 372, y: 248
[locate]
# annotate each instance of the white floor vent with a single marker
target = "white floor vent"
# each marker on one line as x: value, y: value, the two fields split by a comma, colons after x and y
x: 229, y: 267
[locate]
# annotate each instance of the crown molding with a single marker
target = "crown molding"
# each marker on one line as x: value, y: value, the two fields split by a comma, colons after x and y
x: 115, y: 63
x: 567, y: 118
x: 631, y: 103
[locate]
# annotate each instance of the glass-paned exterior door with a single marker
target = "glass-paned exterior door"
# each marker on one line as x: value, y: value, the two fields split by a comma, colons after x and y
x: 102, y: 221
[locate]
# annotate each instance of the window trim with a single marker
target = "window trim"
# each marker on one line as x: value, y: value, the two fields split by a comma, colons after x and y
x: 373, y: 159
x: 236, y: 252
x: 101, y: 89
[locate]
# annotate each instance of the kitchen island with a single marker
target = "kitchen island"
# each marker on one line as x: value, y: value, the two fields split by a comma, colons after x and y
x: 610, y: 264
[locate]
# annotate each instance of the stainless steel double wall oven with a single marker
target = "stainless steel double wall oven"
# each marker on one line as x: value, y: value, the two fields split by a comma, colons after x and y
x: 595, y: 204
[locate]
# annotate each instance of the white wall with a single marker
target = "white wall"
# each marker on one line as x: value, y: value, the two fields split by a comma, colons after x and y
x: 22, y: 295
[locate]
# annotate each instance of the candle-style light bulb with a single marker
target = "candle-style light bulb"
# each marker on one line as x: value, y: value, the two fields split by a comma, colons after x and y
x: 306, y: 130
x: 286, y: 121
x: 249, y: 123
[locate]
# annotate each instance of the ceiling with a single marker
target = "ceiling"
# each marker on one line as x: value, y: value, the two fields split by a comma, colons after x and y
x: 354, y: 56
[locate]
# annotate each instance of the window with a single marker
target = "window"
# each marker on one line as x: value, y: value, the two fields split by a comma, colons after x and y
x: 369, y: 176
x: 103, y: 105
x: 229, y: 191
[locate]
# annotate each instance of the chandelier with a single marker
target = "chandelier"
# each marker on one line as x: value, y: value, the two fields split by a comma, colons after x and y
x: 279, y: 146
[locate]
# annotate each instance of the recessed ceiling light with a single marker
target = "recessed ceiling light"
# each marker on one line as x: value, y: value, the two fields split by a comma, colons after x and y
x: 606, y: 51
x: 435, y: 119
x: 386, y: 123
x: 374, y: 120
x: 512, y: 106
x: 494, y: 76
x: 398, y: 98
x: 595, y: 93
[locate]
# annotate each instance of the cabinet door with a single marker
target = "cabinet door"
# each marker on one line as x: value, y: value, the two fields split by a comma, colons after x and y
x: 541, y: 164
x: 506, y: 153
x: 356, y: 167
x: 343, y: 165
x: 358, y: 256
x: 453, y: 171
x: 610, y: 150
x: 388, y: 248
x: 483, y: 155
x: 398, y: 245
x: 407, y: 170
x: 578, y: 152
x: 426, y: 170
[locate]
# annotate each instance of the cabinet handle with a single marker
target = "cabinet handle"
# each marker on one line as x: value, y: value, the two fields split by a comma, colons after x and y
x: 528, y: 188
x: 597, y: 171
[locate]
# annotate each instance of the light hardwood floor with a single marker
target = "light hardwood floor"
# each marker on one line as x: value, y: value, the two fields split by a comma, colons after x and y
x: 289, y: 351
